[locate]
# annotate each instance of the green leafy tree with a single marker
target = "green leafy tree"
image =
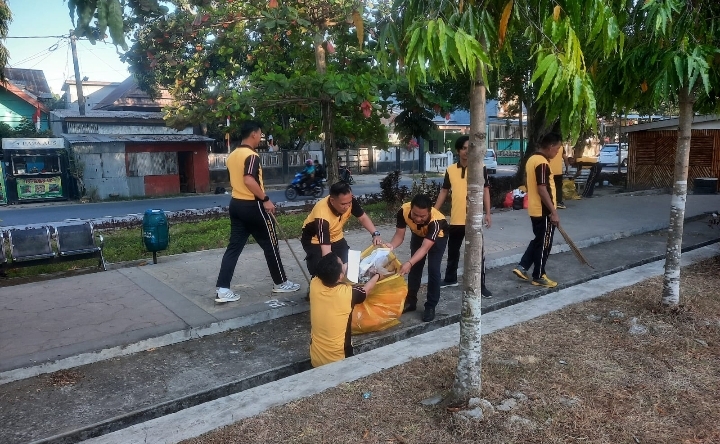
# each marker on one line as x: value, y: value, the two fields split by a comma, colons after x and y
x: 672, y: 58
x: 305, y: 66
x: 436, y: 38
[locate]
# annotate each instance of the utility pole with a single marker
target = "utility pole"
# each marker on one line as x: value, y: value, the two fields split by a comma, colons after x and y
x: 78, y: 81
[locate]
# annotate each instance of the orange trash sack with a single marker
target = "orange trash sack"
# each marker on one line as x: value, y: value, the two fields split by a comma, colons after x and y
x: 383, y: 306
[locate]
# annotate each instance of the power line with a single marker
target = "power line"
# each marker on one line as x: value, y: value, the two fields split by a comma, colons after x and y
x: 52, y: 48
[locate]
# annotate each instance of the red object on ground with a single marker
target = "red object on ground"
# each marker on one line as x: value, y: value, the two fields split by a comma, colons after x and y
x: 507, y: 203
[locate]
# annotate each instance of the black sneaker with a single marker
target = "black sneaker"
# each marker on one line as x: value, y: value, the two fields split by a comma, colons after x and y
x: 446, y: 284
x: 409, y: 307
x: 429, y: 314
x: 485, y: 292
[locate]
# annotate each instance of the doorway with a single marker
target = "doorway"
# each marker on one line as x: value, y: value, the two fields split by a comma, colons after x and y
x: 186, y: 172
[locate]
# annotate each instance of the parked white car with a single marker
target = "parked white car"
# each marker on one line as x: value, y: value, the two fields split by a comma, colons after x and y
x: 609, y: 154
x: 490, y: 161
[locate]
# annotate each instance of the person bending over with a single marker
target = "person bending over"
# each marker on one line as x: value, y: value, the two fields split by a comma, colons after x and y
x: 331, y: 305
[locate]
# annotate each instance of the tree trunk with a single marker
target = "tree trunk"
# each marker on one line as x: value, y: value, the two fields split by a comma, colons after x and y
x: 468, y: 376
x: 671, y: 280
x: 535, y: 127
x: 327, y: 112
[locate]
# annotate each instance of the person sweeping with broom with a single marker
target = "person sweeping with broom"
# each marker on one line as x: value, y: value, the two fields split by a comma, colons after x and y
x: 542, y: 211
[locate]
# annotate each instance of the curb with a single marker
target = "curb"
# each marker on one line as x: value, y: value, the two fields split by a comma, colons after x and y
x: 158, y: 410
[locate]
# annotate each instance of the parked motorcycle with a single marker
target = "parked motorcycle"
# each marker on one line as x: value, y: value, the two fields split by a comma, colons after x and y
x: 346, y: 175
x: 295, y: 189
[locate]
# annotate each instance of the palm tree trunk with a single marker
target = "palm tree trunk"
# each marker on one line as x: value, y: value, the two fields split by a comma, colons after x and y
x: 468, y: 375
x: 671, y: 280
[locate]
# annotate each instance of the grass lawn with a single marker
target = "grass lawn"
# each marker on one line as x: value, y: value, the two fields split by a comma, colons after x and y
x: 578, y: 375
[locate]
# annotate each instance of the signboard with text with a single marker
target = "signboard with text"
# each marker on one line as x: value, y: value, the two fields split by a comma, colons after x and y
x: 32, y: 142
x: 39, y: 187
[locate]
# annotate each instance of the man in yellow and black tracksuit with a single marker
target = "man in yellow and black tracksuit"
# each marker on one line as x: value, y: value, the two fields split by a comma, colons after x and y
x: 250, y: 214
x: 322, y: 231
x: 331, y: 306
x: 456, y: 182
x: 428, y: 239
x: 542, y: 211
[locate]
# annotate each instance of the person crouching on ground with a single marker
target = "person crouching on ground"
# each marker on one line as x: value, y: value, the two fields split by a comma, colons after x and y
x: 428, y: 239
x: 331, y: 305
x: 542, y: 211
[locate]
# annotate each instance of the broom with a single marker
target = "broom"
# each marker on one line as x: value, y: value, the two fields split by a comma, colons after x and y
x: 573, y: 247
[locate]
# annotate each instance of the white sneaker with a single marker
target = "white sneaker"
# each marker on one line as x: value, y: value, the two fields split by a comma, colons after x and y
x: 225, y: 295
x: 286, y: 287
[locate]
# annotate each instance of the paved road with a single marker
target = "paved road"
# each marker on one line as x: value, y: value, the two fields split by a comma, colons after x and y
x: 59, y: 211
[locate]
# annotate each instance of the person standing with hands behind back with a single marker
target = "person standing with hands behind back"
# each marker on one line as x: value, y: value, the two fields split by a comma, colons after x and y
x: 456, y: 181
x: 541, y: 209
x: 250, y: 214
x: 428, y: 240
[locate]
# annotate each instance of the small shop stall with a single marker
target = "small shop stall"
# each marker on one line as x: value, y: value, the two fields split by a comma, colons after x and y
x: 35, y: 169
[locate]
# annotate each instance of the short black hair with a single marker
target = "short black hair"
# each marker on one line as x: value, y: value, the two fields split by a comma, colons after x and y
x: 460, y: 142
x: 421, y: 201
x: 328, y: 269
x: 339, y: 188
x: 549, y: 139
x: 248, y: 127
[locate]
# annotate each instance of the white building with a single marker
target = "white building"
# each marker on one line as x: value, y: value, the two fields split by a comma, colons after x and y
x: 94, y: 92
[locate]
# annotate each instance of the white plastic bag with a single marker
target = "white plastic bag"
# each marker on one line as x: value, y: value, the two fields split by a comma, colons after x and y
x: 375, y: 262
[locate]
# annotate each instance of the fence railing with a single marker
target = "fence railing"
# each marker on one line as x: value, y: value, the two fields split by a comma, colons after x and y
x: 280, y: 166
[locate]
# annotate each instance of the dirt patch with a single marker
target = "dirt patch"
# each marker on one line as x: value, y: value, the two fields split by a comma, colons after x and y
x: 618, y: 369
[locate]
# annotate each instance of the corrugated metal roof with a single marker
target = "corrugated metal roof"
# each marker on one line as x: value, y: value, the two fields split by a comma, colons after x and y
x: 32, y: 80
x: 106, y: 138
x: 65, y: 113
x: 710, y: 121
x: 129, y: 95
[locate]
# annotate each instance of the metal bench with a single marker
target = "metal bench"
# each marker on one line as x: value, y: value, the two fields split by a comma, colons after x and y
x: 77, y: 241
x: 30, y: 244
x: 34, y: 245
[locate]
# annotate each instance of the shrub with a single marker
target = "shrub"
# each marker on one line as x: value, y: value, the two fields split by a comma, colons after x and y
x: 392, y: 193
x: 431, y: 189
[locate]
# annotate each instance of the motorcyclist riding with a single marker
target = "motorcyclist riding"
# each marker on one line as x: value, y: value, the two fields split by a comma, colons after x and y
x: 308, y: 173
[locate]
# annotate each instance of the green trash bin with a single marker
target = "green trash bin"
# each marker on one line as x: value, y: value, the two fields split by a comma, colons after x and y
x: 155, y: 233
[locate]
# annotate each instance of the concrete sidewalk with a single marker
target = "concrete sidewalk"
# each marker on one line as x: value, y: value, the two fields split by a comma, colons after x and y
x: 63, y: 323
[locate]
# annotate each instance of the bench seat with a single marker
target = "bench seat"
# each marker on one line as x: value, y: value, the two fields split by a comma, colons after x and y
x: 35, y: 246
